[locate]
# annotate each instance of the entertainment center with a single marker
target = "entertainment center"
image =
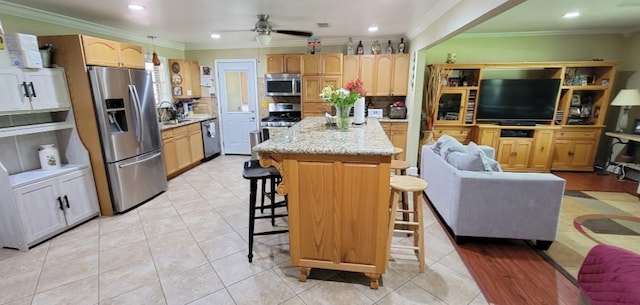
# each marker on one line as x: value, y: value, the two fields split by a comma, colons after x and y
x: 539, y: 116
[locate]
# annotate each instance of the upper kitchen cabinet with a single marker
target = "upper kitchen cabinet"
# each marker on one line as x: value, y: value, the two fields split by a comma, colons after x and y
x: 33, y: 89
x: 103, y: 52
x: 321, y: 64
x: 283, y: 63
x: 185, y: 78
x: 382, y: 75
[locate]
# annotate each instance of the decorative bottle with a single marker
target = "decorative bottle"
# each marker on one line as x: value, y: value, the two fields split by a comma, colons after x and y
x: 49, y: 157
x: 375, y: 47
x: 401, y: 46
x: 389, y: 49
x: 350, y: 50
x: 360, y: 49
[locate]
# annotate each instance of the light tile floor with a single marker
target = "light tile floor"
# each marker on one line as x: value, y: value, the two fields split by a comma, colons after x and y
x: 189, y: 246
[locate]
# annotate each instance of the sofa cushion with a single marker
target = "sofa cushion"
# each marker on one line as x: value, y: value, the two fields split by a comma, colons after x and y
x: 488, y: 164
x: 468, y: 161
x: 447, y: 144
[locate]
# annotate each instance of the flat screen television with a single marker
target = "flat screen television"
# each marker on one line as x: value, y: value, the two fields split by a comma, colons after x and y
x: 532, y: 100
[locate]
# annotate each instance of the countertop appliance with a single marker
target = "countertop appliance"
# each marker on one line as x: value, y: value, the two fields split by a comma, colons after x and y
x: 282, y: 84
x: 130, y: 137
x: 210, y: 138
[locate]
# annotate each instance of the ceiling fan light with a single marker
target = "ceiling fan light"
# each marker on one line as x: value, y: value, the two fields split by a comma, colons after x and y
x: 263, y: 39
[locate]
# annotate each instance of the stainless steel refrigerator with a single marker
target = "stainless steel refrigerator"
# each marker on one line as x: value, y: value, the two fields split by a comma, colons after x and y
x: 126, y: 115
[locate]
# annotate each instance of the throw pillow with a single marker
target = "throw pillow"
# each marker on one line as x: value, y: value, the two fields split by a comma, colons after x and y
x: 488, y: 164
x: 450, y: 144
x: 471, y: 161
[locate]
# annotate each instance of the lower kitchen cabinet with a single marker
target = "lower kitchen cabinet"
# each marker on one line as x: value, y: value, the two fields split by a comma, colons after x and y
x: 397, y: 133
x: 47, y: 207
x: 182, y: 147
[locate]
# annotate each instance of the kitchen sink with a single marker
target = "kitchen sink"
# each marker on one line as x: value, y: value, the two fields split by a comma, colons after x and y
x: 177, y: 121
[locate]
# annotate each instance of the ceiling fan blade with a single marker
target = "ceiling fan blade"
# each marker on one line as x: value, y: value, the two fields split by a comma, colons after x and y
x: 295, y: 33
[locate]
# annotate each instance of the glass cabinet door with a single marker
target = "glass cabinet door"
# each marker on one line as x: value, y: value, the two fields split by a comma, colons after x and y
x: 451, y: 106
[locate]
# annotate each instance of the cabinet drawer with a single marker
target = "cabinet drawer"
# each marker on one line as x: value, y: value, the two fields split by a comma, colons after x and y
x: 456, y: 133
x: 180, y: 130
x: 166, y: 134
x: 576, y: 134
x: 399, y: 126
x: 311, y: 108
x: 194, y: 127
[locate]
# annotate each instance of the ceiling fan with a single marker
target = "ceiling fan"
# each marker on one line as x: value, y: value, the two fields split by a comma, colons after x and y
x: 264, y: 30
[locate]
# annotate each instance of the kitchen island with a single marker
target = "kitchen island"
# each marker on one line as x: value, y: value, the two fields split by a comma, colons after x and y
x: 337, y: 184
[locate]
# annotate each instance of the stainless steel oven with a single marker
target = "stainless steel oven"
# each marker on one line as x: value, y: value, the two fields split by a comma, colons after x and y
x: 281, y: 116
x: 282, y: 84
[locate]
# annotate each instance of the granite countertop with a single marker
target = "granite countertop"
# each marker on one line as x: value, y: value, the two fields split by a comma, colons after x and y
x: 388, y: 119
x: 196, y: 118
x: 312, y: 136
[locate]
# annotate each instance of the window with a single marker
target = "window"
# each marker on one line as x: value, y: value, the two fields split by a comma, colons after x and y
x: 160, y: 76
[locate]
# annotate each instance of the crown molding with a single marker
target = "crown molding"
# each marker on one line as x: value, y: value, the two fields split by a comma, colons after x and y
x: 49, y: 17
x: 547, y: 33
x: 301, y: 43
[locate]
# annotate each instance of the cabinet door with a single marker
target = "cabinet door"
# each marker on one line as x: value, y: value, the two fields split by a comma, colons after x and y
x: 48, y: 89
x: 291, y: 63
x: 196, y: 145
x: 451, y: 106
x: 335, y: 81
x: 100, y: 52
x: 331, y: 64
x: 311, y: 88
x: 582, y: 154
x: 194, y: 70
x: 350, y: 68
x: 131, y: 56
x: 367, y: 73
x: 399, y: 138
x: 400, y: 79
x: 542, y: 148
x: 310, y: 64
x: 183, y: 148
x: 275, y: 63
x: 490, y: 137
x: 79, y: 194
x: 561, y: 153
x: 383, y: 72
x: 15, y: 94
x: 514, y: 153
x: 40, y: 211
x: 170, y: 153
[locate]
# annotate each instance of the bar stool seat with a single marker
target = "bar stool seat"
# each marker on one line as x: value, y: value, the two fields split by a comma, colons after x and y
x: 412, y: 224
x: 396, y: 152
x: 399, y: 167
x: 254, y: 172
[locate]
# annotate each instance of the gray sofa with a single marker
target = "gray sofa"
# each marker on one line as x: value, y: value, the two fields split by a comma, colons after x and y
x: 493, y: 204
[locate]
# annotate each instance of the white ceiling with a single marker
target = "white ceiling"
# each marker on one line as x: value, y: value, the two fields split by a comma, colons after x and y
x: 191, y: 23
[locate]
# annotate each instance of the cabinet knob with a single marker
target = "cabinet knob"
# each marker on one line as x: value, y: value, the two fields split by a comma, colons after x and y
x: 570, y: 153
x: 513, y: 154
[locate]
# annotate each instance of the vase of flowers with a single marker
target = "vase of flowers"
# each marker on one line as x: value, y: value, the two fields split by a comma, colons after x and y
x: 343, y: 99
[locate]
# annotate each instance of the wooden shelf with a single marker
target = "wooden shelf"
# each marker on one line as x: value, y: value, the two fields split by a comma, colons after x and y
x: 36, y: 175
x: 587, y: 87
x: 36, y: 128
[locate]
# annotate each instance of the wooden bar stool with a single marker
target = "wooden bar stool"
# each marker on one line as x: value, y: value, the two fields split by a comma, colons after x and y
x: 399, y: 167
x: 415, y: 225
x: 396, y: 152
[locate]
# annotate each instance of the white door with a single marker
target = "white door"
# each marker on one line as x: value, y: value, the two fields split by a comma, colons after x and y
x: 48, y: 89
x: 237, y: 99
x: 14, y: 95
x: 79, y: 196
x: 40, y: 209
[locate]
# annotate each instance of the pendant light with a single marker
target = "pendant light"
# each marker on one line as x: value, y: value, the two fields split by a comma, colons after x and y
x: 154, y: 59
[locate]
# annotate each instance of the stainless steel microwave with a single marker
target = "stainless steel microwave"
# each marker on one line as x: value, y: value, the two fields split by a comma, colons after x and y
x: 282, y: 84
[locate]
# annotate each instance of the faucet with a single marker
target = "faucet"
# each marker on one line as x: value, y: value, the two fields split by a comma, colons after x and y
x: 172, y: 110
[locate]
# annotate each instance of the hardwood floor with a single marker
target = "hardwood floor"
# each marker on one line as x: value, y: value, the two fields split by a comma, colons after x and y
x: 511, y: 272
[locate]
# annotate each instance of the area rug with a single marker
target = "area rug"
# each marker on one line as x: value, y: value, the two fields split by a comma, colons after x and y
x: 591, y: 218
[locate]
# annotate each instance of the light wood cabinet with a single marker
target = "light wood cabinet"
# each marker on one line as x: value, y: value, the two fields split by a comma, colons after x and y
x: 33, y: 89
x: 397, y: 133
x: 283, y: 63
x: 182, y: 147
x: 321, y: 64
x: 575, y: 149
x: 185, y: 79
x: 573, y: 130
x: 461, y: 133
x: 513, y: 153
x: 312, y: 105
x: 103, y: 52
x: 382, y: 75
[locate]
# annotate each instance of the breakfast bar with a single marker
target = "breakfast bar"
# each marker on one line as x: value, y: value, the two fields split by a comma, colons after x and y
x: 337, y: 184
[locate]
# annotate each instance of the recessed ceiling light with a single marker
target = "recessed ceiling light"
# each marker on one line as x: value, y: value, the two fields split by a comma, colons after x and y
x: 215, y: 36
x: 373, y: 28
x: 135, y: 7
x: 571, y: 15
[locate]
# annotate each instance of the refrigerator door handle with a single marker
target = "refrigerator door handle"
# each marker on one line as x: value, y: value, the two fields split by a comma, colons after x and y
x: 140, y: 161
x: 136, y: 103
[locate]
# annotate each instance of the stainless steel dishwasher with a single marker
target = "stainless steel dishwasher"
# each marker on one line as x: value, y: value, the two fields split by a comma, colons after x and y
x: 210, y: 138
